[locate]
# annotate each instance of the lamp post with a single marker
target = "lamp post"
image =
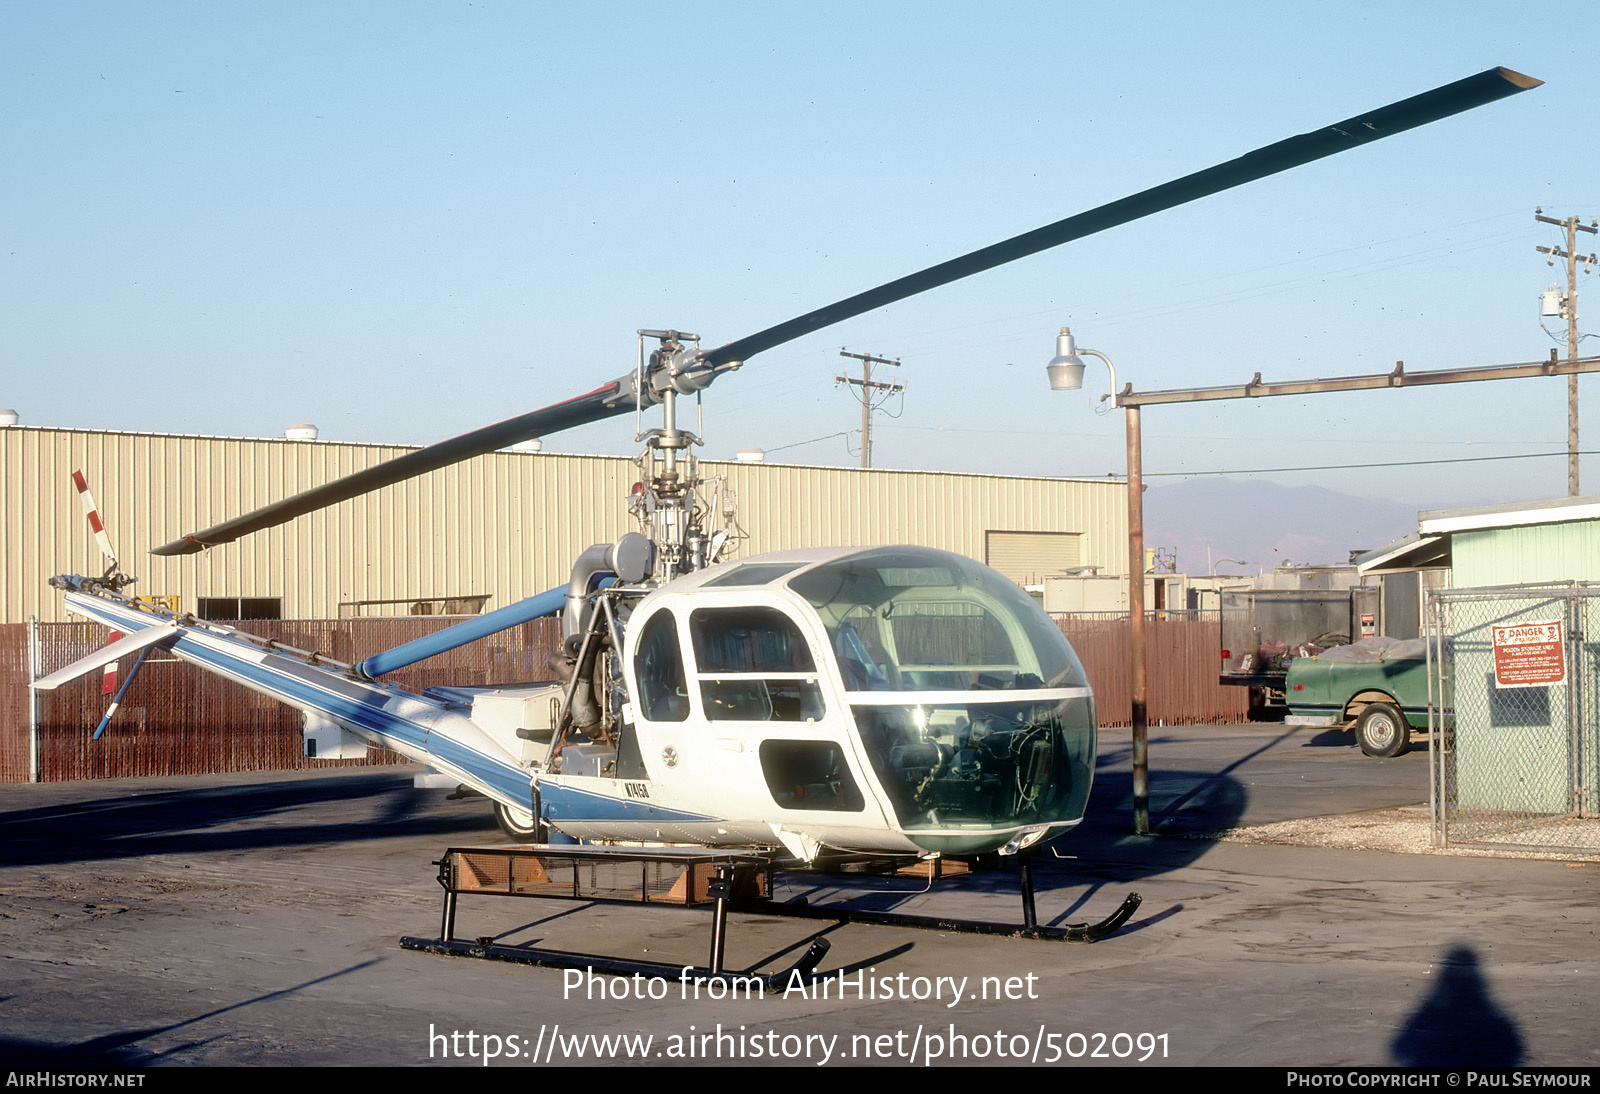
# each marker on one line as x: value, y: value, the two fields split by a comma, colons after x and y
x: 1065, y: 371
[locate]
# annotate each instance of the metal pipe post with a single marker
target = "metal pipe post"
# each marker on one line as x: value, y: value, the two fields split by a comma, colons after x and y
x: 1030, y: 916
x: 722, y: 889
x: 33, y: 699
x: 1136, y: 636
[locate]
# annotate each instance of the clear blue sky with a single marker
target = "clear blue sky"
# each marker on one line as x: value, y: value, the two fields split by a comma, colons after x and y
x: 403, y: 220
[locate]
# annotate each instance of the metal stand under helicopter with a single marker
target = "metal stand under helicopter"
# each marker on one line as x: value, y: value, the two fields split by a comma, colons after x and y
x: 686, y: 878
x: 660, y: 877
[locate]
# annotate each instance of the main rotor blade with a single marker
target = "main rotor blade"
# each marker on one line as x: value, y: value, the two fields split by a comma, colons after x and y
x: 603, y: 402
x: 1430, y: 106
x: 613, y: 398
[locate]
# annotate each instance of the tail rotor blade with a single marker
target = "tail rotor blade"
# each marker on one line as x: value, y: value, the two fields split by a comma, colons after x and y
x: 91, y: 513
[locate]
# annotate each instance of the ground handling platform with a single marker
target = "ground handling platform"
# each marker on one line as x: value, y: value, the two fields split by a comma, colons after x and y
x: 679, y: 877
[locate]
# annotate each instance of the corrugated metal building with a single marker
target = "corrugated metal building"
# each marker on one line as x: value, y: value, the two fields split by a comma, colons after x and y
x: 502, y: 526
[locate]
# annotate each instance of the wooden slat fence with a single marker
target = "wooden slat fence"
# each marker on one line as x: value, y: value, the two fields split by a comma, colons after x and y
x: 180, y: 720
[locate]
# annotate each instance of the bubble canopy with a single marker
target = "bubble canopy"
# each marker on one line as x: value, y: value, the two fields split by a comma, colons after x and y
x: 969, y: 702
x: 915, y: 619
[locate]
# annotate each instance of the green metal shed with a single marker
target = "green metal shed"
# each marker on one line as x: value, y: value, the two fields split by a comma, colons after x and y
x: 1519, y: 769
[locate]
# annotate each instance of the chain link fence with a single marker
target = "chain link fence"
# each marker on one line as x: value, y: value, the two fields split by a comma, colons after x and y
x: 1516, y: 670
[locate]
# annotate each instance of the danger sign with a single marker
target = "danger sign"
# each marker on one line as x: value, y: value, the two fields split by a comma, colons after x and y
x: 1528, y: 655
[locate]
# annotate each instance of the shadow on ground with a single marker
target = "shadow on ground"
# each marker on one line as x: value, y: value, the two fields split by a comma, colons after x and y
x: 1081, y: 875
x: 120, y: 1049
x: 208, y: 818
x: 1458, y: 1023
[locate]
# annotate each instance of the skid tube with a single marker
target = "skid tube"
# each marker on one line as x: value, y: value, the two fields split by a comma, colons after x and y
x: 617, y: 966
x: 731, y: 873
x: 1029, y: 928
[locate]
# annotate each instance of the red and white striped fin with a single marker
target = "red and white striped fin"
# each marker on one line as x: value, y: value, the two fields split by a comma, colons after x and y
x: 93, y: 514
x: 108, y: 676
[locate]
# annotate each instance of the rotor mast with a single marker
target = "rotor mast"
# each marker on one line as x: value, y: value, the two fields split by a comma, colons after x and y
x: 664, y: 501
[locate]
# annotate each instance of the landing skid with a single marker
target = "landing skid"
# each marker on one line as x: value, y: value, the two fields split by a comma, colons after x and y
x: 1029, y: 928
x: 617, y: 966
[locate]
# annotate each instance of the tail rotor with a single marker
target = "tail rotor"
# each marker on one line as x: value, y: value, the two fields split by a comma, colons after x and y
x: 114, y: 576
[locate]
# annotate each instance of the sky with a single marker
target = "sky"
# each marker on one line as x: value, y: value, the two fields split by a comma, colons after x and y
x: 399, y: 221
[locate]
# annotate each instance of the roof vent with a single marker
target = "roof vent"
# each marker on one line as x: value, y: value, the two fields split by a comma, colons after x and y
x: 8, y: 418
x: 300, y: 433
x: 750, y: 455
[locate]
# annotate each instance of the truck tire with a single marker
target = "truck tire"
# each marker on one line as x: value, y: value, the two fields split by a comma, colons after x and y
x: 1382, y: 730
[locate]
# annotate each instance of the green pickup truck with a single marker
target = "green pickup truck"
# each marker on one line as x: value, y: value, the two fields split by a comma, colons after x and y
x: 1378, y: 687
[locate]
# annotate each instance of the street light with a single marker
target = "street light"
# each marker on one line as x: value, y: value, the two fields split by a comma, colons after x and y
x: 1065, y: 371
x: 1066, y: 368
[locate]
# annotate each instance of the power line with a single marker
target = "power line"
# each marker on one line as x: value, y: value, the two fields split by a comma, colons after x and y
x: 813, y: 440
x: 1357, y: 466
x: 1057, y: 433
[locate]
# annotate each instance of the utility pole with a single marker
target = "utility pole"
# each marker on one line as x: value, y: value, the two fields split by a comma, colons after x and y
x: 872, y: 394
x: 1569, y: 308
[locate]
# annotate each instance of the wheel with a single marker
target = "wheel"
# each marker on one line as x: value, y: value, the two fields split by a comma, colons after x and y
x: 519, y: 824
x: 1382, y: 730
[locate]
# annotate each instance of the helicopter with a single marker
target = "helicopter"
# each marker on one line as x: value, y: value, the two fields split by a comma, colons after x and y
x: 884, y: 700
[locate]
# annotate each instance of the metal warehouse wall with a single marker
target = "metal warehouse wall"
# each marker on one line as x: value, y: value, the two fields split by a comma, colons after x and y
x: 785, y: 506
x: 507, y: 525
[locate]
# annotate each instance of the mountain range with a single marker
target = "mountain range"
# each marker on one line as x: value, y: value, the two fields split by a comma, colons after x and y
x: 1267, y: 524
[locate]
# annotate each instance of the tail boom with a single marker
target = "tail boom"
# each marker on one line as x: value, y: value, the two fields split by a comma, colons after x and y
x: 417, y: 727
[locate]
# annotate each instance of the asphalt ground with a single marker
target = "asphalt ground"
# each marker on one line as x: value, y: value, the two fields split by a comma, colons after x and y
x: 254, y: 919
